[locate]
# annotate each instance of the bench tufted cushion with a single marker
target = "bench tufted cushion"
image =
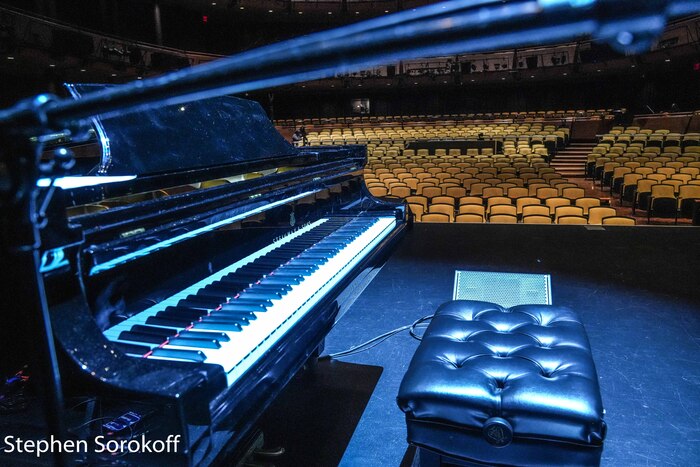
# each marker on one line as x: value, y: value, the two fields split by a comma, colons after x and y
x: 529, y: 366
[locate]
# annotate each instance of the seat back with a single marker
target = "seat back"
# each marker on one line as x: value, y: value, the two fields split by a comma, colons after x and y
x: 469, y: 219
x: 443, y: 200
x: 435, y: 217
x: 472, y: 209
x: 662, y: 190
x: 555, y: 202
x: 561, y: 211
x: 572, y: 220
x: 535, y: 210
x: 619, y: 220
x: 417, y: 209
x: 597, y: 214
x: 573, y: 193
x: 502, y: 209
x: 547, y: 192
x: 587, y: 203
x: 503, y: 219
x: 526, y: 201
x: 537, y: 219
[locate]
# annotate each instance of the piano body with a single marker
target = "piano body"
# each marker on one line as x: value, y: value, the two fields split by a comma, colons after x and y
x: 191, y: 269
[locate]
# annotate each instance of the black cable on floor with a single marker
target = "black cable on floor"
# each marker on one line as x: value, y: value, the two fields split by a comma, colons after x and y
x: 411, y: 328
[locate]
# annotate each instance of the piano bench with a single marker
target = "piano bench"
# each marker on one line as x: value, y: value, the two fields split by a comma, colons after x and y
x: 492, y: 385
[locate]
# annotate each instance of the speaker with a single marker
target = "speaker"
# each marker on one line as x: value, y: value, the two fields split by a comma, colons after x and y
x: 531, y: 62
x: 465, y: 67
x: 391, y: 71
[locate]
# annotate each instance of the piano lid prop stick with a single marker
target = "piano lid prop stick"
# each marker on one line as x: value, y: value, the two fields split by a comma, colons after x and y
x: 447, y: 28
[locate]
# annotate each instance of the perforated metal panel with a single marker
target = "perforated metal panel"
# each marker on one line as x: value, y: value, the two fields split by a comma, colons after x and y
x: 504, y: 288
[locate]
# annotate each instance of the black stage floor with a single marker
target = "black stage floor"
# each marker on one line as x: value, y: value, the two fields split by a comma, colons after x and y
x: 637, y: 290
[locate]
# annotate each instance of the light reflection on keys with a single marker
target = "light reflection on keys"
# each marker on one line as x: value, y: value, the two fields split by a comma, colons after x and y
x: 226, y: 321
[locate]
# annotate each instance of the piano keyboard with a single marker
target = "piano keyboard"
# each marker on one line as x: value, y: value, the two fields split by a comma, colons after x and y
x: 234, y: 316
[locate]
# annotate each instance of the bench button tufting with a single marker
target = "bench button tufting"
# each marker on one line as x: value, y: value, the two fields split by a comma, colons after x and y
x: 498, y: 432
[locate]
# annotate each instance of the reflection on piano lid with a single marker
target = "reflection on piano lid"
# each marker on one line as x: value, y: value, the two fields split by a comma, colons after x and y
x: 96, y: 269
x: 216, y: 131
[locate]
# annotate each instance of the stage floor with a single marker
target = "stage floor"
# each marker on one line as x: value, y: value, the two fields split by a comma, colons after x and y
x: 637, y: 290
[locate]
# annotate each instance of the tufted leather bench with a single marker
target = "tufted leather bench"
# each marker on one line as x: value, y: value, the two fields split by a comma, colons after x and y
x: 511, y: 386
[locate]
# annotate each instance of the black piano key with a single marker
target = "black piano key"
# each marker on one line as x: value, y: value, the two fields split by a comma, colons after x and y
x: 160, y: 321
x: 242, y: 307
x: 280, y: 290
x: 162, y: 332
x: 141, y: 337
x: 234, y: 283
x: 253, y: 294
x: 273, y: 279
x: 270, y: 260
x: 193, y: 300
x: 293, y: 275
x: 274, y: 287
x: 132, y: 348
x: 179, y: 315
x: 311, y: 255
x: 192, y: 355
x: 242, y: 277
x: 306, y: 261
x: 224, y: 318
x: 261, y: 271
x: 245, y: 301
x: 196, y: 343
x: 337, y: 244
x: 193, y: 313
x: 223, y: 288
x: 213, y: 297
x: 288, y: 280
x: 242, y: 315
x: 325, y: 250
x: 301, y: 268
x: 229, y: 327
x: 219, y: 336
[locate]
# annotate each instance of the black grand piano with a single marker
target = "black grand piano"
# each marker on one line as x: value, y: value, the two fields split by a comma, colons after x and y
x: 193, y: 262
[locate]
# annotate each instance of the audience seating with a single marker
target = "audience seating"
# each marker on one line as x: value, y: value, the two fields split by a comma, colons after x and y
x: 519, y: 177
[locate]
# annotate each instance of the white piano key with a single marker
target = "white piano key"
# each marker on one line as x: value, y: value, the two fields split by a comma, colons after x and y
x: 248, y: 346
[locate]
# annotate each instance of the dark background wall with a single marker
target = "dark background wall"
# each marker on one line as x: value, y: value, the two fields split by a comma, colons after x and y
x: 658, y: 85
x: 660, y: 89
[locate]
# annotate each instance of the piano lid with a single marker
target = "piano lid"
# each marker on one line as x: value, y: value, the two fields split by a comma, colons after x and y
x: 205, y: 133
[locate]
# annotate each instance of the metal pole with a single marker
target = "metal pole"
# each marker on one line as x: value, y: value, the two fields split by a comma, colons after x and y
x: 159, y: 28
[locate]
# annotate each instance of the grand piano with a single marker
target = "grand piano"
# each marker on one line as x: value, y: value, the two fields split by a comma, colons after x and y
x: 194, y: 262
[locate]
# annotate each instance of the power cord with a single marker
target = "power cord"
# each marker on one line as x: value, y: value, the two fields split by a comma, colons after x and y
x: 411, y: 328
